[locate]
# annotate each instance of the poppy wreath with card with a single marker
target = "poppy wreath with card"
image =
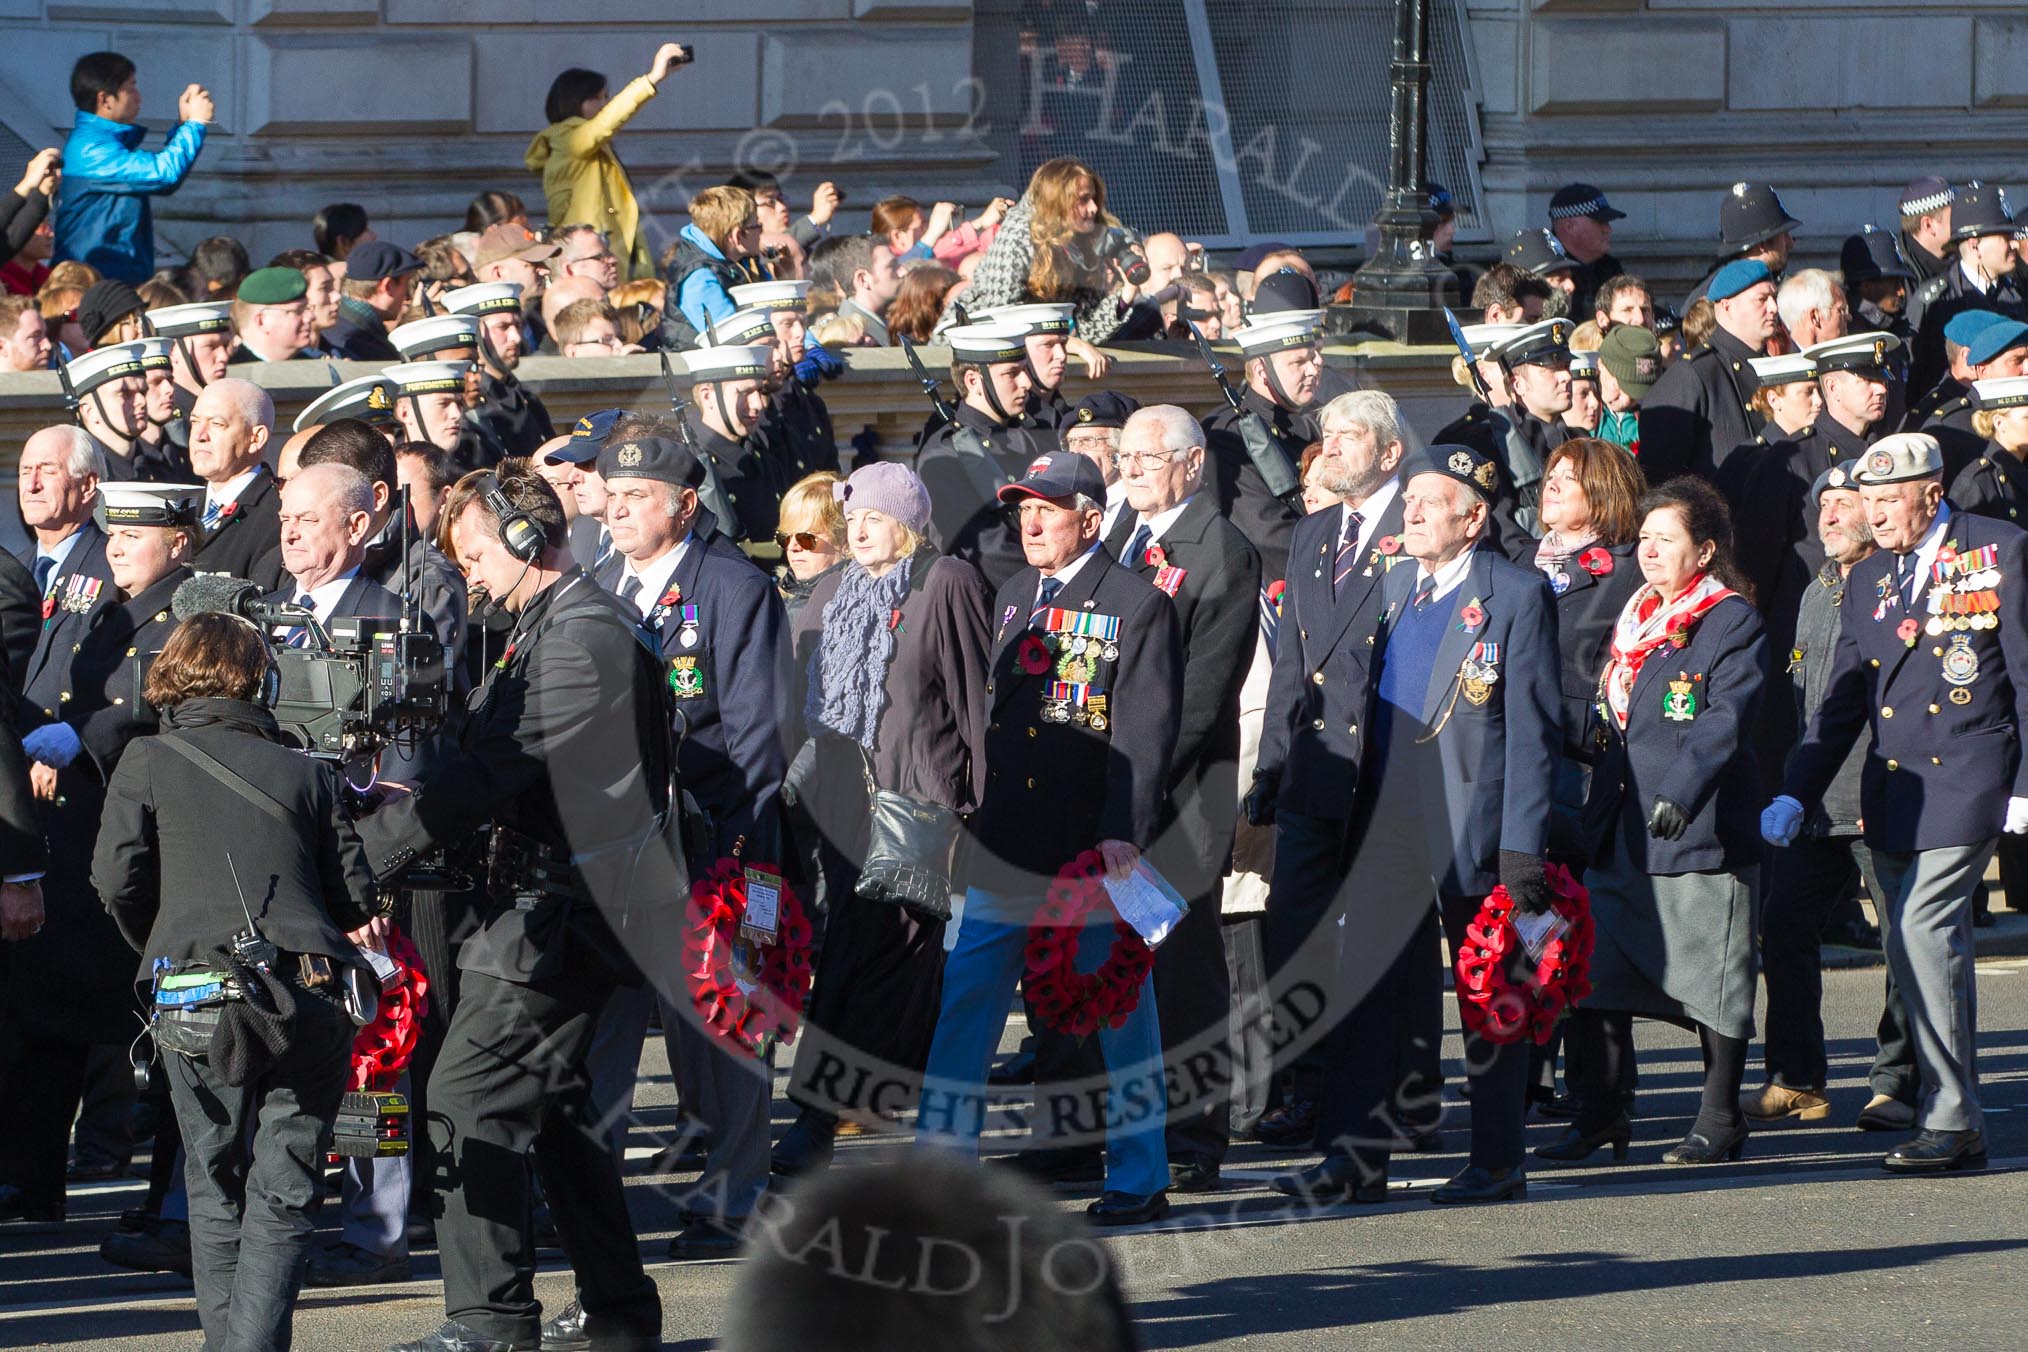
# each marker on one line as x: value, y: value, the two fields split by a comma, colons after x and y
x: 747, y: 993
x: 1503, y: 995
x: 1063, y: 998
x: 381, y: 1050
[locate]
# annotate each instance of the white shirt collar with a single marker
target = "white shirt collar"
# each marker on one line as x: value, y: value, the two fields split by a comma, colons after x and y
x: 324, y: 599
x: 58, y: 551
x: 1448, y: 578
x: 1926, y: 552
x: 230, y: 490
x: 1158, y: 524
x: 1370, y: 511
x: 655, y: 575
x: 1064, y: 575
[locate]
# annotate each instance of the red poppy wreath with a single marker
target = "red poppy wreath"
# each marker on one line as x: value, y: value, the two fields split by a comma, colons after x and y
x: 751, y: 994
x: 1065, y: 999
x: 381, y: 1050
x: 1504, y: 997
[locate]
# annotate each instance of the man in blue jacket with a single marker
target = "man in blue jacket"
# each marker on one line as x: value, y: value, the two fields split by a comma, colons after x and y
x: 103, y: 216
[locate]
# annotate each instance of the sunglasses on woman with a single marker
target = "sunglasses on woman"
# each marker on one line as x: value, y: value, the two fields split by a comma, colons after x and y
x: 803, y: 539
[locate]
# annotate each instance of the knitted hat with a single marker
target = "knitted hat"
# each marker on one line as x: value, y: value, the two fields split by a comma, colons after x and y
x: 889, y: 488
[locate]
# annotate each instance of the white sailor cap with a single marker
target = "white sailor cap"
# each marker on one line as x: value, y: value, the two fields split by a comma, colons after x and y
x: 1277, y: 332
x: 368, y: 398
x: 788, y: 295
x: 1853, y: 352
x: 154, y: 353
x: 733, y: 361
x: 1534, y: 344
x: 103, y: 364
x: 743, y: 328
x: 438, y: 333
x: 427, y: 377
x: 1786, y: 369
x: 181, y: 321
x: 1031, y: 319
x: 984, y: 344
x: 2001, y: 392
x: 1483, y: 338
x: 484, y: 299
x: 1901, y: 458
x: 1584, y: 366
x: 135, y: 503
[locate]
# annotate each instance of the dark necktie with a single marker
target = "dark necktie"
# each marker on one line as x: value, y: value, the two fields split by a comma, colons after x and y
x: 299, y: 633
x: 1116, y: 538
x: 1906, y: 575
x: 630, y: 589
x: 605, y: 549
x: 44, y: 566
x: 1050, y: 587
x: 1348, y: 552
x: 1425, y: 594
x: 1138, y: 546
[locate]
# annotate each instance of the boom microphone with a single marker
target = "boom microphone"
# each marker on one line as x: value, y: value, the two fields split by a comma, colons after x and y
x: 208, y: 593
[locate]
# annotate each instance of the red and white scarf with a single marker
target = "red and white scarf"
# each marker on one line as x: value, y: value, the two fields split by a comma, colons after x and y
x: 1645, y: 625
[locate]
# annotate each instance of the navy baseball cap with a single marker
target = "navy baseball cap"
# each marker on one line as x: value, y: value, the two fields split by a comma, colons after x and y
x: 587, y: 436
x: 376, y: 260
x: 1059, y: 474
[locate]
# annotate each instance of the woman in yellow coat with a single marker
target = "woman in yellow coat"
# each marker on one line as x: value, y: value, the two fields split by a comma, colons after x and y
x: 574, y: 155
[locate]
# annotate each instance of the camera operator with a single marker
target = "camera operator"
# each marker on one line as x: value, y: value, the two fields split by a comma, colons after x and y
x: 566, y: 751
x: 1058, y: 244
x: 280, y: 1056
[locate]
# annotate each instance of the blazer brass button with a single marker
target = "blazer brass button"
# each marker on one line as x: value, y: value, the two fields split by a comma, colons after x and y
x: 1031, y: 731
x: 1317, y: 726
x: 1317, y: 677
x: 1886, y: 712
x: 1894, y: 765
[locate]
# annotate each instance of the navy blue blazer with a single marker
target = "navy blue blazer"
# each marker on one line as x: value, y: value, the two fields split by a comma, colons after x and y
x: 1946, y: 710
x: 1687, y: 740
x: 1310, y: 735
x: 81, y: 593
x: 1491, y: 781
x: 1586, y: 611
x: 730, y: 756
x: 1054, y: 789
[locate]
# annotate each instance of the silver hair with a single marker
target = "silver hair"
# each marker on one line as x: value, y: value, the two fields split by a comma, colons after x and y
x: 1083, y: 503
x: 81, y: 455
x: 1374, y: 410
x: 248, y: 400
x: 1179, y: 431
x: 1804, y: 291
x: 350, y: 490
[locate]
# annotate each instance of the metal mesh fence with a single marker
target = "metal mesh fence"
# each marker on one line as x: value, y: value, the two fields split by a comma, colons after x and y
x: 1294, y: 144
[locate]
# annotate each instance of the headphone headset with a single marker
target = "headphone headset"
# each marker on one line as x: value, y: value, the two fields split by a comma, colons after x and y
x: 518, y: 532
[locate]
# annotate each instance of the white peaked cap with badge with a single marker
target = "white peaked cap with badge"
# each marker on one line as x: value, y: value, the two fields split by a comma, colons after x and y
x: 1483, y: 338
x: 983, y: 344
x: 437, y: 333
x: 1783, y: 370
x: 136, y: 503
x: 429, y: 377
x: 1901, y: 458
x: 368, y: 398
x: 788, y: 295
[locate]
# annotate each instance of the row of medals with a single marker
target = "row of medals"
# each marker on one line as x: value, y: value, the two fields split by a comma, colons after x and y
x: 1983, y: 581
x: 1082, y: 655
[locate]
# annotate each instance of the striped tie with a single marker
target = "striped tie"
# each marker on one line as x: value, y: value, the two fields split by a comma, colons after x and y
x: 1425, y: 594
x: 212, y: 511
x: 1348, y: 552
x: 1050, y: 587
x: 299, y: 634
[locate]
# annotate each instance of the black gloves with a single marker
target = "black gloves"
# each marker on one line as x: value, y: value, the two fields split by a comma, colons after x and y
x: 1260, y: 799
x: 1668, y: 821
x: 1521, y: 875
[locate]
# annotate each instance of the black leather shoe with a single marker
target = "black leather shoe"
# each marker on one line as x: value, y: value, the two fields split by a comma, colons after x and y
x: 1477, y: 1185
x: 1937, y: 1152
x: 1428, y: 1141
x: 1059, y: 1164
x: 1128, y: 1208
x: 707, y: 1238
x: 1559, y: 1105
x: 95, y: 1170
x: 804, y: 1148
x: 1705, y: 1148
x: 575, y: 1331
x: 1293, y: 1123
x: 15, y: 1206
x: 452, y: 1336
x: 165, y: 1248
x: 1193, y: 1175
x: 1333, y: 1179
x: 1578, y: 1142
x: 1016, y: 1069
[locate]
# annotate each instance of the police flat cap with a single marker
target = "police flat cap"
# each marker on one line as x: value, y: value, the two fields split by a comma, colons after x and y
x: 1901, y: 458
x: 1573, y: 200
x: 273, y: 286
x: 1924, y: 195
x: 1462, y: 464
x: 658, y: 458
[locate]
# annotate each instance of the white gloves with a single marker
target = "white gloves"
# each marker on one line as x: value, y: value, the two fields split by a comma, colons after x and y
x: 2017, y: 817
x: 56, y: 744
x: 1784, y: 817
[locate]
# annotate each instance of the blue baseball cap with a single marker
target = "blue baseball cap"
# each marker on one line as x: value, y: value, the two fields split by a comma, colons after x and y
x: 1735, y: 277
x: 587, y: 437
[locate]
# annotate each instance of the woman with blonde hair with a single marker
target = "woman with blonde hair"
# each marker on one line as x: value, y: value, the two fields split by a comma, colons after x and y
x: 1048, y: 250
x: 640, y: 304
x: 717, y: 251
x: 583, y: 178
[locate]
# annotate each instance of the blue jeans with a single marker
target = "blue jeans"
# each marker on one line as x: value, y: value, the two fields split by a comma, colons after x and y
x: 979, y: 979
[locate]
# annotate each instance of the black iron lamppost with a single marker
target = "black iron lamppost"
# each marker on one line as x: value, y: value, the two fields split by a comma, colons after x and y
x: 1398, y: 293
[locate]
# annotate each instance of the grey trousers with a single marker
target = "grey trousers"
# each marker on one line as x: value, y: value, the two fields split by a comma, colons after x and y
x: 725, y: 1089
x: 1927, y: 932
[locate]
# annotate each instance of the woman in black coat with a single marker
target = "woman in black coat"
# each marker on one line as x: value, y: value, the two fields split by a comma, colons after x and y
x: 1672, y: 818
x: 1996, y: 484
x: 181, y: 885
x: 894, y: 650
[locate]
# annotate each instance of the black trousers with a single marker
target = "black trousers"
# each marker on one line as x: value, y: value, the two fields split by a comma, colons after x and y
x: 1807, y: 883
x: 1193, y: 1004
x: 254, y: 1168
x: 42, y: 1079
x: 511, y: 1083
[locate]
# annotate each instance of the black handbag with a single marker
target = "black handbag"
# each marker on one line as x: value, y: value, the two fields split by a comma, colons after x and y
x: 908, y: 852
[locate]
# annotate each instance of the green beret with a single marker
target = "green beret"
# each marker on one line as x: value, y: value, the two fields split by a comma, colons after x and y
x: 273, y: 286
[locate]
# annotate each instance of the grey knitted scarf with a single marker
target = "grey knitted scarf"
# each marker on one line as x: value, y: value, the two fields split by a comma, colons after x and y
x: 848, y: 669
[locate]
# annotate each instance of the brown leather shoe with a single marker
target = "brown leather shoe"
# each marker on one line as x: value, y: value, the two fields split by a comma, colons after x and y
x: 1775, y: 1102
